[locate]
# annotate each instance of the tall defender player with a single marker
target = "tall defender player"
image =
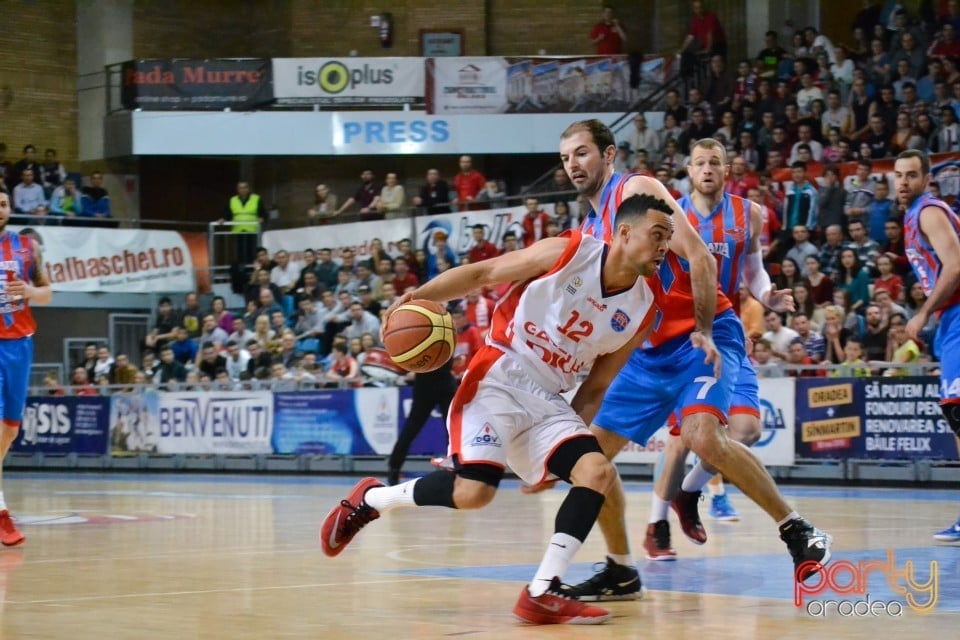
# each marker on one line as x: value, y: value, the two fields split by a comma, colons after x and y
x: 731, y: 227
x: 672, y: 371
x: 932, y: 241
x: 22, y: 283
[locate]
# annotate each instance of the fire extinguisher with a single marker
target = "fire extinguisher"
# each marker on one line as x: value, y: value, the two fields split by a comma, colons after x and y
x: 386, y: 30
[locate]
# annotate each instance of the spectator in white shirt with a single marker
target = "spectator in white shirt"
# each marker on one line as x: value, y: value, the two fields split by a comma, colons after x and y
x: 28, y: 195
x: 778, y: 335
x: 361, y: 322
x: 285, y: 274
x: 212, y: 332
x: 237, y: 360
x: 805, y: 136
x: 643, y: 137
x: 392, y: 198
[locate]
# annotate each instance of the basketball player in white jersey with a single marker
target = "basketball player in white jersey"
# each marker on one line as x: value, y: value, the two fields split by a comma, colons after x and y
x: 575, y: 305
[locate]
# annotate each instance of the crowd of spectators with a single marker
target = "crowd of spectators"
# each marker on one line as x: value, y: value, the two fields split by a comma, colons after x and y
x: 44, y: 193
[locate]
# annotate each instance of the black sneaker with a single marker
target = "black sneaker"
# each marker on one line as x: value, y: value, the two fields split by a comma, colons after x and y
x: 809, y: 547
x: 611, y: 582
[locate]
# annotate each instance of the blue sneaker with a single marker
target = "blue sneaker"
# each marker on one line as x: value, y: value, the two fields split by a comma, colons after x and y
x: 950, y: 534
x: 721, y: 509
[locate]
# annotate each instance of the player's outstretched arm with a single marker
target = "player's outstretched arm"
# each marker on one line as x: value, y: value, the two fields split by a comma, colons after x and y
x: 688, y: 244
x: 938, y: 230
x: 525, y: 264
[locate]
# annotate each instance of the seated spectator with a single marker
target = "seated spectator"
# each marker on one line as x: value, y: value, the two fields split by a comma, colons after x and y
x: 875, y: 334
x: 170, y: 370
x: 190, y: 316
x: 162, y: 331
x: 879, y: 211
x: 813, y: 341
x: 66, y: 200
x: 482, y: 248
x: 209, y: 360
x: 285, y: 274
x: 819, y: 284
x: 867, y: 250
x: 81, y: 385
x: 212, y: 333
x: 778, y: 335
x: 853, y: 278
x: 830, y: 199
x: 184, y: 349
x: 852, y: 365
x: 434, y: 195
x: 346, y: 282
x: 240, y: 333
x: 236, y: 360
x: 52, y: 172
x: 309, y: 323
x: 52, y: 386
x: 262, y: 332
x: 894, y: 246
x: 324, y: 204
x: 797, y: 355
x: 367, y: 278
x: 103, y: 366
x: 311, y: 287
x: 258, y: 367
x: 343, y: 368
x: 122, y: 372
x: 888, y: 280
x: 440, y: 249
x: 392, y: 198
x: 223, y: 318
x: 149, y: 366
x: 96, y: 199
x: 361, y: 321
x: 268, y: 305
x: 376, y: 253
x: 289, y: 355
x: 28, y: 194
x: 801, y: 250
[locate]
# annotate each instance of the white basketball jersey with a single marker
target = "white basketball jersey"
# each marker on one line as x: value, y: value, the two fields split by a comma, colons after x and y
x: 558, y: 324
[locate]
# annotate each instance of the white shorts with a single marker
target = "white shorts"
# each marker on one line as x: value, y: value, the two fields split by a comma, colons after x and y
x: 501, y: 417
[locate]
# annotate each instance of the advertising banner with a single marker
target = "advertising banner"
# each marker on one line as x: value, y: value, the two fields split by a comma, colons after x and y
x: 348, y: 81
x: 117, y: 260
x: 355, y: 235
x: 61, y: 424
x: 161, y: 85
x: 887, y: 418
x: 223, y: 422
x: 776, y: 444
x: 351, y: 421
x: 540, y: 85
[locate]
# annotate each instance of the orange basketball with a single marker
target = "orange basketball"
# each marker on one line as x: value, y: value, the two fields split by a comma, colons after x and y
x: 419, y: 336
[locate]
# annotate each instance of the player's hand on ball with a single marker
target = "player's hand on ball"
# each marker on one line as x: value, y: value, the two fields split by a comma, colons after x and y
x: 405, y: 298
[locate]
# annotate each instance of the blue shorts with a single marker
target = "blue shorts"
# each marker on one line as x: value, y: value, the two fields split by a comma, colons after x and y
x: 656, y: 381
x: 16, y: 357
x: 947, y: 346
x: 746, y: 392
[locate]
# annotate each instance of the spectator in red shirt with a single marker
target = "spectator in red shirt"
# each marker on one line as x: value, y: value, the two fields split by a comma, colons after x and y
x: 468, y: 183
x: 770, y: 232
x: 740, y: 180
x: 482, y: 248
x: 705, y: 30
x: 608, y: 35
x: 663, y: 175
x: 479, y: 310
x: 403, y: 278
x: 534, y: 223
x: 469, y: 341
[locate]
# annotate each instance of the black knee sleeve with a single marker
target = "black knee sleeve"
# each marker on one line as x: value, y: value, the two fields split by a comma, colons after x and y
x: 562, y: 461
x: 578, y: 512
x: 951, y: 411
x: 435, y: 490
x: 486, y: 473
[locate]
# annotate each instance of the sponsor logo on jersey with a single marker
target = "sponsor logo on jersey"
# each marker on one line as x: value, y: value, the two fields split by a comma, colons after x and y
x: 486, y: 437
x: 719, y: 249
x: 599, y: 305
x: 619, y: 321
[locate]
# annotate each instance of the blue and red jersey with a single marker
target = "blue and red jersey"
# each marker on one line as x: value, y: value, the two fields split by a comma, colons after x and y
x: 17, y: 261
x: 726, y: 232
x: 671, y: 285
x: 921, y: 254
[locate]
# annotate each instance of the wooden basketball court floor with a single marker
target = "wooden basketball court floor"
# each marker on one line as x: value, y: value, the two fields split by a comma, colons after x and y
x: 188, y: 556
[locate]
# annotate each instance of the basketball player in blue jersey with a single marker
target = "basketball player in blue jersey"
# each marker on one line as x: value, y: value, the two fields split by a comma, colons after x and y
x: 672, y: 371
x: 932, y: 242
x: 22, y: 283
x: 730, y: 226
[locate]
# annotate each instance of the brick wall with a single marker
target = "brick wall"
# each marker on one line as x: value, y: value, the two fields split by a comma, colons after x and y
x: 38, y: 71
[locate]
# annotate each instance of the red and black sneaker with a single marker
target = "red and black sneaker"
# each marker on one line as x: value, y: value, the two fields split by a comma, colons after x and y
x: 556, y: 607
x: 686, y: 507
x: 347, y: 518
x: 657, y: 542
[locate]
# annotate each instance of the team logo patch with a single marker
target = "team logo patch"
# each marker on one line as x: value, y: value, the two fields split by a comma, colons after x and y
x: 573, y: 285
x: 736, y: 234
x: 619, y: 321
x: 486, y: 437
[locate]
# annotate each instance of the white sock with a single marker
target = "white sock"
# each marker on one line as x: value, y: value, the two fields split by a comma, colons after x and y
x: 384, y: 499
x: 555, y: 562
x: 698, y: 476
x: 716, y: 489
x: 624, y: 560
x: 3, y: 505
x: 658, y: 508
x: 793, y: 515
